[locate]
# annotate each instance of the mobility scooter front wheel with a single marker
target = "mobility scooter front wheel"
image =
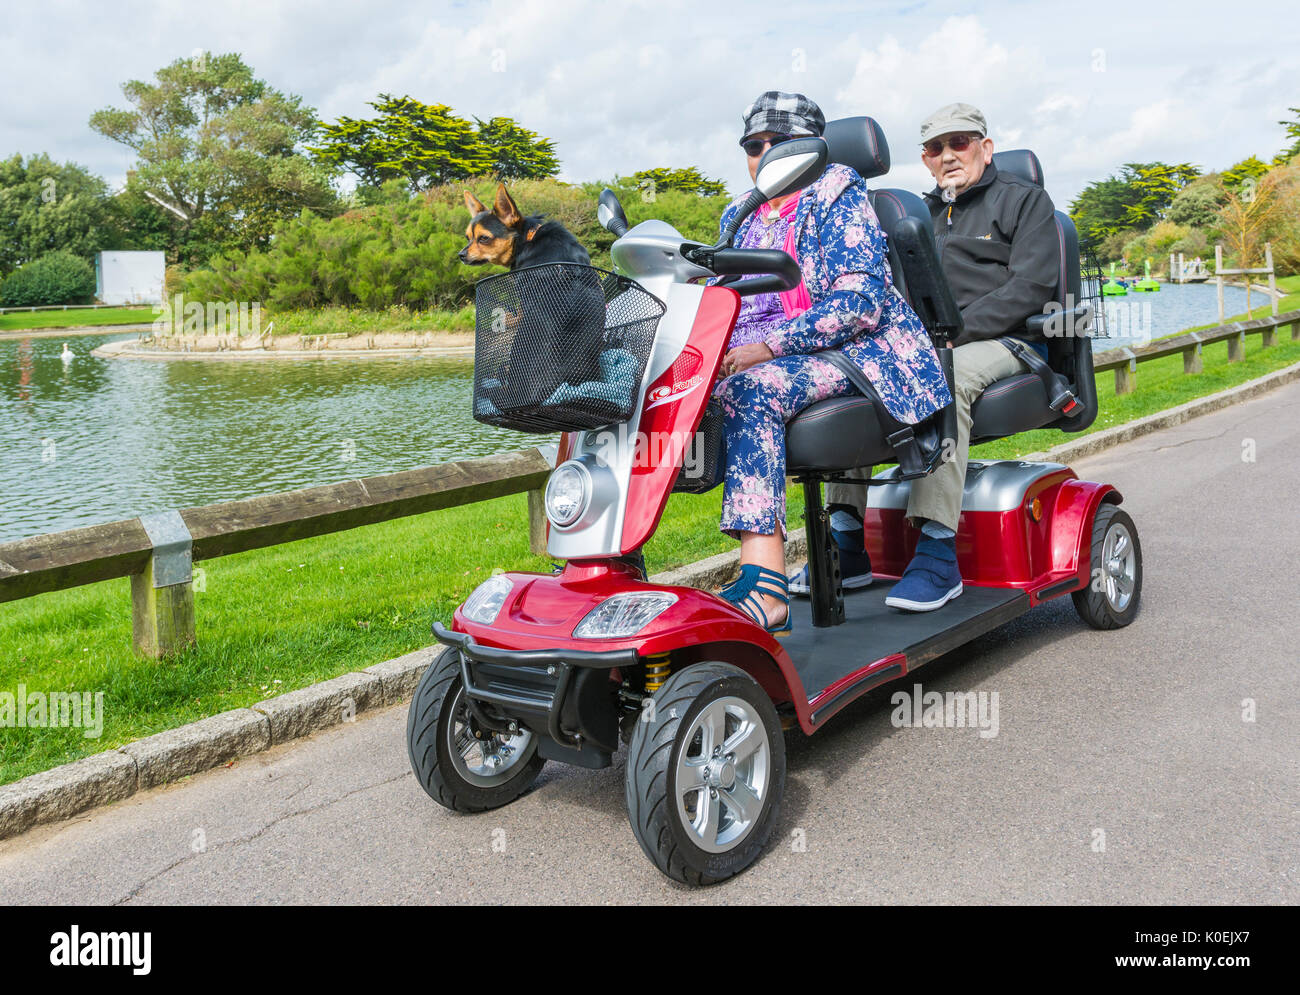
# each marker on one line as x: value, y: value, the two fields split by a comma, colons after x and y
x: 705, y: 772
x: 459, y: 765
x: 1110, y: 601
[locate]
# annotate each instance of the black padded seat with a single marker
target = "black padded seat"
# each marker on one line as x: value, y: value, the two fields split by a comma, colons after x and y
x: 835, y: 434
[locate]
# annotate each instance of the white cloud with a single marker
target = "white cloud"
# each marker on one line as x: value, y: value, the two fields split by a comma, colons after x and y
x: 621, y: 87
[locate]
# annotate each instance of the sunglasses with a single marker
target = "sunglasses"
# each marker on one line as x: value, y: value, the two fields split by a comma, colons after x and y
x: 958, y: 143
x: 754, y: 146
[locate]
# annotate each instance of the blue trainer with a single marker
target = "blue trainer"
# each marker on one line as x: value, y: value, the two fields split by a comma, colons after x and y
x: 931, y: 580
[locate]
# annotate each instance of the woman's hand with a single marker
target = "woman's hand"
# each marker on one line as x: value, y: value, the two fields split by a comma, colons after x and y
x: 743, y: 357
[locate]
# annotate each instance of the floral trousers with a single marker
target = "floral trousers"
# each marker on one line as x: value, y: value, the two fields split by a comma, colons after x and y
x: 756, y: 404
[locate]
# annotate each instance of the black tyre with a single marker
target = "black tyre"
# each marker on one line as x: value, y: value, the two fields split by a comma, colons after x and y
x: 1110, y: 601
x: 459, y: 765
x: 705, y: 772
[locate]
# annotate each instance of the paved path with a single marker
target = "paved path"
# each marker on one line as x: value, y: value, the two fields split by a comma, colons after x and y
x: 1137, y: 733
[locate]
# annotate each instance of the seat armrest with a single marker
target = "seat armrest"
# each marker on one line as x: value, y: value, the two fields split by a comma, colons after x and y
x: 1060, y: 323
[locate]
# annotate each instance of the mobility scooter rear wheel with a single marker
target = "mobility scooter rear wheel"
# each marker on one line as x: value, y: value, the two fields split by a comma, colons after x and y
x: 705, y: 772
x: 459, y: 764
x: 1110, y: 601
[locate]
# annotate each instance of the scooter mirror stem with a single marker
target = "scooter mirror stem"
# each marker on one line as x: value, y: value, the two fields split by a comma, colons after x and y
x: 747, y: 207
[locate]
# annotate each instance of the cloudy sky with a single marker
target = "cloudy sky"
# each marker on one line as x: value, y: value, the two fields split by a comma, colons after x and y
x: 631, y: 85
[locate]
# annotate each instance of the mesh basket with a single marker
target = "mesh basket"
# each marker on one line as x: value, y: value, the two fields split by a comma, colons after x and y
x: 560, y: 347
x: 1091, y: 279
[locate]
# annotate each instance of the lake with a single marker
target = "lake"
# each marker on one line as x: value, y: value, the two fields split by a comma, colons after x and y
x: 95, y: 440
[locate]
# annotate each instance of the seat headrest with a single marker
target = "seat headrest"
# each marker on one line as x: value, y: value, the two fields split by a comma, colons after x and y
x: 1020, y: 162
x: 858, y: 142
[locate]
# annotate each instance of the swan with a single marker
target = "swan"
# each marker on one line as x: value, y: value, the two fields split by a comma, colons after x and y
x: 67, y: 355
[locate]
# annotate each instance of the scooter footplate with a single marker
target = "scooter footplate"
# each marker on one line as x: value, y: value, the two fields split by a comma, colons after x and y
x: 873, y: 631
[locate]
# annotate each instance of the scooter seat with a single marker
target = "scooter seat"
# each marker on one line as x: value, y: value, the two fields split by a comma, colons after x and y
x: 844, y: 432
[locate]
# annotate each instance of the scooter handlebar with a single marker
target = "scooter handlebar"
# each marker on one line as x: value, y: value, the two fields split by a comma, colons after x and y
x: 782, y: 272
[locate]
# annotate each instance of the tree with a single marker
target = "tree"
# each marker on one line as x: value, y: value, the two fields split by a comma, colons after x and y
x: 222, y: 148
x: 56, y: 278
x: 1240, y: 176
x: 425, y: 144
x: 517, y: 153
x: 1293, y: 133
x: 1156, y: 184
x: 1247, y: 216
x: 1197, y: 204
x: 45, y: 206
x: 689, y: 180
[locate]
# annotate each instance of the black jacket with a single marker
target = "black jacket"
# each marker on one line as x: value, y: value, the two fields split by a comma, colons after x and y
x: 1001, y: 255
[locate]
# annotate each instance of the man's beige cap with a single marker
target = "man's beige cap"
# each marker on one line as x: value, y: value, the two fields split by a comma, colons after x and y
x: 954, y: 117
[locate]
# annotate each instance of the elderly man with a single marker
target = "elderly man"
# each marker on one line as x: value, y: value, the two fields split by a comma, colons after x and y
x: 998, y: 247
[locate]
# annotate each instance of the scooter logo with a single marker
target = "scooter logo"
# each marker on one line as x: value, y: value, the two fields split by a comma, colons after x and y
x: 663, y: 393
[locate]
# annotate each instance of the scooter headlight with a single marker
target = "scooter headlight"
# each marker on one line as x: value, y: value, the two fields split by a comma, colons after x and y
x: 568, y: 492
x: 483, y: 605
x: 624, y: 614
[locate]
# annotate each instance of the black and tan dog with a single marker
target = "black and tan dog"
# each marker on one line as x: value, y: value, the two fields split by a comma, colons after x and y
x: 553, y: 324
x: 502, y: 235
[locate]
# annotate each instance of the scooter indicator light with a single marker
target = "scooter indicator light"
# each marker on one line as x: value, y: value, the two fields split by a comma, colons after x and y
x: 1035, y: 509
x: 624, y: 614
x: 485, y: 603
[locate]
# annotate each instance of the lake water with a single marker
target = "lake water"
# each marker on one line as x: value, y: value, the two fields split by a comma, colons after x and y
x: 96, y: 440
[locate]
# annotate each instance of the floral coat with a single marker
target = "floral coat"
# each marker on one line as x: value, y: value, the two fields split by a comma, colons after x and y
x: 855, y: 307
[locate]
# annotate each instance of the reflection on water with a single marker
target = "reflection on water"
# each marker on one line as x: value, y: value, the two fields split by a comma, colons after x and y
x: 95, y: 440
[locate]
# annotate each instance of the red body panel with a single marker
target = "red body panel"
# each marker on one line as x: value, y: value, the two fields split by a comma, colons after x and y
x: 1006, y: 548
x: 673, y: 407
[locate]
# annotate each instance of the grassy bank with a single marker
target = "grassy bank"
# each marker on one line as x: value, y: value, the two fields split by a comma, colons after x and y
x: 87, y: 317
x: 355, y: 321
x: 274, y: 620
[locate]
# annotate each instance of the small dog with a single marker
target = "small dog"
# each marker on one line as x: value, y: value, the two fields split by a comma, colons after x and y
x: 556, y: 337
x: 505, y: 237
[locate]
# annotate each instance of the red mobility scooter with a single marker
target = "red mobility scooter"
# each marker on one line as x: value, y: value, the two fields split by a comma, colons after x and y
x: 563, y: 666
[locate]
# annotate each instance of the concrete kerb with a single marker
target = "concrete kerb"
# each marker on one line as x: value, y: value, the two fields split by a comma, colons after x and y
x: 63, y: 792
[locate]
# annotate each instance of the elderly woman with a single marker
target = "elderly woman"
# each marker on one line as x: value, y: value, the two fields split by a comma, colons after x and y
x: 771, y: 369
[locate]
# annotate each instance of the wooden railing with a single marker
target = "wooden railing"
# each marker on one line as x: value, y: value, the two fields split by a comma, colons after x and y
x: 1124, y: 361
x: 160, y: 566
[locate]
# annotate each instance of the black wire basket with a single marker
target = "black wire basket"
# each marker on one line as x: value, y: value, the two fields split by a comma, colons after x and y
x: 560, y: 347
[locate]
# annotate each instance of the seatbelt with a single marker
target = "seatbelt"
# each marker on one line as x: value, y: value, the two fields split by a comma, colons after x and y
x: 1059, y: 396
x: 912, y: 462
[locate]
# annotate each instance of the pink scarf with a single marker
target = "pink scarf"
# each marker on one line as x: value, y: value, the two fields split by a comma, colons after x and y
x: 796, y: 301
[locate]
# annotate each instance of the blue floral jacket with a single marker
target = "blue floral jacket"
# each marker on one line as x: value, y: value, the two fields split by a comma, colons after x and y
x: 855, y: 307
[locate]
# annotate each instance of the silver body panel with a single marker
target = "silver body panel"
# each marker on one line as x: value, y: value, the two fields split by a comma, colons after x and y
x: 649, y: 254
x: 991, y: 485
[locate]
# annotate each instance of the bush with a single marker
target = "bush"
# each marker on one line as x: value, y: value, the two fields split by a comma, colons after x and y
x: 55, y: 278
x: 401, y: 251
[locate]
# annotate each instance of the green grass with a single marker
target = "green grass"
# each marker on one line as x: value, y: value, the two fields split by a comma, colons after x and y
x: 19, y: 320
x: 274, y: 620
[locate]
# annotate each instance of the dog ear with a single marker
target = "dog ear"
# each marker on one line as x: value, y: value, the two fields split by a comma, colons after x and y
x: 505, y: 208
x: 474, y: 204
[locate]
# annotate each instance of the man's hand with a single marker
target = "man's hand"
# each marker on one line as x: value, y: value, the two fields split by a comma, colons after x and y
x: 743, y: 357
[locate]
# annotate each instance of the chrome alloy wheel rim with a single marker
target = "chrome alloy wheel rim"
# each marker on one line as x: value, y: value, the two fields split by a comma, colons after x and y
x: 1119, y: 566
x: 489, y: 760
x: 724, y: 772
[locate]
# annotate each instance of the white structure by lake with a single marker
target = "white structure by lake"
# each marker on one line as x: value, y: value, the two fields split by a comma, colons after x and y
x: 129, y: 277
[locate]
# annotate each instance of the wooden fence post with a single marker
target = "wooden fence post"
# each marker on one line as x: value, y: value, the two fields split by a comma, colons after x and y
x: 1272, y: 280
x: 1237, y: 348
x: 162, y: 596
x: 1126, y: 375
x: 1192, y: 362
x: 1218, y: 277
x: 537, y: 522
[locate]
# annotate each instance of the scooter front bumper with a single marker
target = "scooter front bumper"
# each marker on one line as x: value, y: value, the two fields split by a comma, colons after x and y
x: 564, y: 693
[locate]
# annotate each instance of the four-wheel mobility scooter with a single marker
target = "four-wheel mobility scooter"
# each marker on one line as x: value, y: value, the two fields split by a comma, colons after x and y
x: 562, y: 666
